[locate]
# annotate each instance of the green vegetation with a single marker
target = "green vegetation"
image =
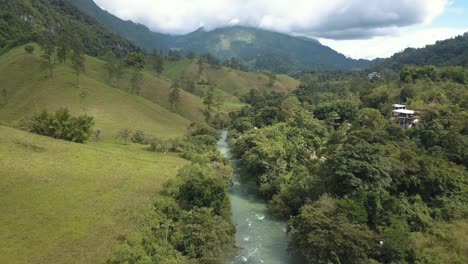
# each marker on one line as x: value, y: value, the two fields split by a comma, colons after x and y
x: 237, y: 47
x: 23, y: 21
x: 356, y: 187
x: 449, y: 52
x: 28, y: 91
x: 191, y: 224
x: 64, y: 202
x: 61, y: 125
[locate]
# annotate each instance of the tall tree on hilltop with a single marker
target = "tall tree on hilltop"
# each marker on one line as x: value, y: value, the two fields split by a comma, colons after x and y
x: 111, y: 66
x: 157, y: 61
x: 174, y: 97
x: 47, y: 42
x: 77, y: 58
x: 136, y: 61
x: 63, y: 46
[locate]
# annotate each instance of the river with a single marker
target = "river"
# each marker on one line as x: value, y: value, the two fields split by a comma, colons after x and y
x: 260, y: 237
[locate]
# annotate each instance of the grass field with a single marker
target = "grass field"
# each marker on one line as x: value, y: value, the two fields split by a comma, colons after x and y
x: 71, y: 203
x: 29, y: 90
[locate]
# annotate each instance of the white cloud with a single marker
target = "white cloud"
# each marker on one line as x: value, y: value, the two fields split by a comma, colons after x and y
x: 332, y: 19
x: 388, y: 45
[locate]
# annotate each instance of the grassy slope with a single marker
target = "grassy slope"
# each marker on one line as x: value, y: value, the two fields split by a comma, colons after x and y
x: 230, y: 83
x: 69, y: 203
x: 30, y: 90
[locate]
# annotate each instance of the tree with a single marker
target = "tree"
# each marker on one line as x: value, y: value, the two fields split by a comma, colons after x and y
x: 358, y: 166
x: 201, y: 235
x: 136, y: 80
x: 157, y: 62
x: 202, y: 188
x: 136, y: 61
x: 324, y: 236
x: 174, y: 55
x: 47, y: 42
x: 370, y: 118
x: 63, y: 46
x: 344, y: 111
x: 271, y: 78
x: 200, y: 66
x: 29, y: 49
x: 174, y: 98
x: 77, y: 58
x: 111, y: 66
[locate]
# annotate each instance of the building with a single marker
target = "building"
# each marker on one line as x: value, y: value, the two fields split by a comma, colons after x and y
x: 404, y: 117
x: 373, y: 75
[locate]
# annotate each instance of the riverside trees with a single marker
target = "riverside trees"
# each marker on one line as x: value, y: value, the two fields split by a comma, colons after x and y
x: 355, y: 187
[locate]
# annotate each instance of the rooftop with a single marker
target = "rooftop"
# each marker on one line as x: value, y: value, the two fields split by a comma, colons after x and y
x: 404, y: 111
x: 399, y: 105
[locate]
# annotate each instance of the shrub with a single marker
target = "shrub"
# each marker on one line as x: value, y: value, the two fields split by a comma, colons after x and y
x: 29, y: 49
x: 61, y: 125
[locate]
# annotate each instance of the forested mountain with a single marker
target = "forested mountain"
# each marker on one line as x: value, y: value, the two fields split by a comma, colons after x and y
x: 22, y: 21
x: 260, y: 49
x: 449, y: 52
x: 137, y: 33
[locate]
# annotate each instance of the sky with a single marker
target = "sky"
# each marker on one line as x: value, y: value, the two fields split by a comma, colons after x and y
x: 357, y: 28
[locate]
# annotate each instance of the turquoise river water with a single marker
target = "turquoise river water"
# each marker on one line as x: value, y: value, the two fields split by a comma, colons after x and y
x: 259, y: 237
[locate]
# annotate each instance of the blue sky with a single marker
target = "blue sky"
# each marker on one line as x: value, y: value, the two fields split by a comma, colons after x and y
x: 357, y: 28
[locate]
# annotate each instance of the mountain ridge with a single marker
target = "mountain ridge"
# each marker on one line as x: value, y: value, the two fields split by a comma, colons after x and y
x: 270, y: 50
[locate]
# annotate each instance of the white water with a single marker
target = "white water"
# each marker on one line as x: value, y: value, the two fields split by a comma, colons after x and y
x: 259, y: 237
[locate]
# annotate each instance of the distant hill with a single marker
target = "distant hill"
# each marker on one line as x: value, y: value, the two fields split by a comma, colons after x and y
x: 447, y: 52
x: 22, y: 21
x: 260, y: 49
x: 136, y: 33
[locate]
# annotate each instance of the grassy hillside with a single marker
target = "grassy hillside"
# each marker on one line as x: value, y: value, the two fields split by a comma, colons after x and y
x: 71, y: 203
x: 229, y: 84
x: 29, y: 90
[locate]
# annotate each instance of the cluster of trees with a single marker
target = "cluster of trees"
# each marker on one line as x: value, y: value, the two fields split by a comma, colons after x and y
x: 450, y: 73
x: 60, y: 125
x: 451, y: 51
x: 190, y: 222
x: 60, y: 46
x: 355, y: 187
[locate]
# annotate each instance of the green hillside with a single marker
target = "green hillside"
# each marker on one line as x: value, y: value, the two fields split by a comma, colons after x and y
x: 260, y: 49
x: 231, y: 81
x: 72, y: 203
x: 449, y: 52
x: 22, y: 21
x: 29, y: 90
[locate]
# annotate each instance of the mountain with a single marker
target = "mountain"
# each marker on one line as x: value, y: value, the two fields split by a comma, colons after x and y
x: 260, y: 49
x: 136, y: 33
x: 22, y: 21
x: 453, y: 52
x: 267, y: 50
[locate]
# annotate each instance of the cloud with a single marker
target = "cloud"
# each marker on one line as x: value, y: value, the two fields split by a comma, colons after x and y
x: 331, y: 19
x: 383, y: 47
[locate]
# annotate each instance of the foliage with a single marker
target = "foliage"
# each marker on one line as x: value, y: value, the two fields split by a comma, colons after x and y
x: 24, y: 21
x: 191, y: 223
x: 61, y: 125
x: 355, y: 186
x: 29, y: 49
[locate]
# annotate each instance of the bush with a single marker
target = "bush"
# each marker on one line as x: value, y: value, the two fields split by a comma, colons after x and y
x: 138, y: 137
x: 29, y: 49
x: 61, y: 125
x: 123, y: 135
